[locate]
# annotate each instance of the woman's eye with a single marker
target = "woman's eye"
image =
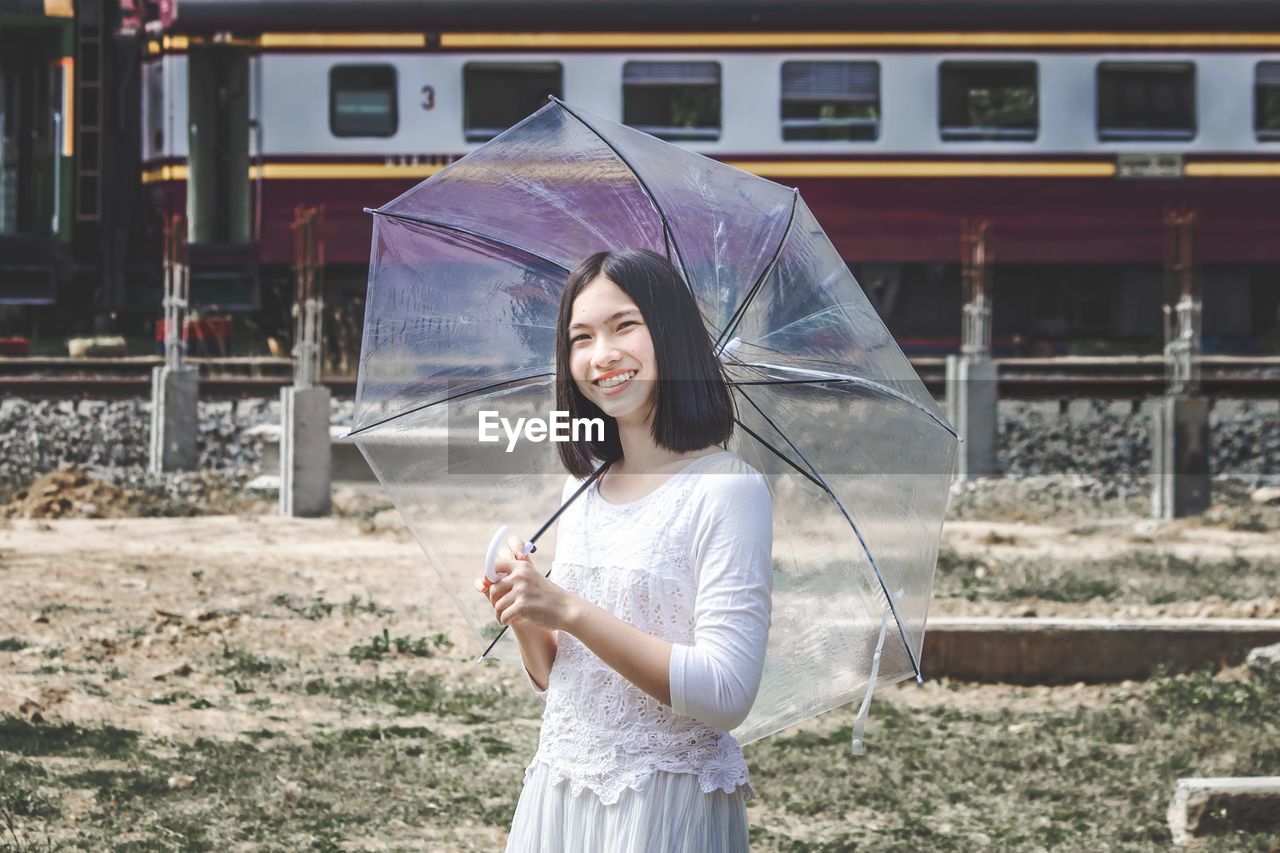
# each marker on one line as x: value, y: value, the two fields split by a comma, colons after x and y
x: 626, y: 323
x: 577, y: 338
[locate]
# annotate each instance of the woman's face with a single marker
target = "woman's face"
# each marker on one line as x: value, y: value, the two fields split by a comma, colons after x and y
x: 611, y: 354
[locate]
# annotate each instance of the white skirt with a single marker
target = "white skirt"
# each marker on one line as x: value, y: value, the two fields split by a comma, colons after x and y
x: 671, y: 814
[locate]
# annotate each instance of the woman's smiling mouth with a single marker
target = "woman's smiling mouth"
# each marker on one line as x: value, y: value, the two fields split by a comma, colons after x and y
x: 613, y: 383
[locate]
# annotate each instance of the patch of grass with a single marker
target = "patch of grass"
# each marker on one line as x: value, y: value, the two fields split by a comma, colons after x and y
x: 245, y: 664
x: 355, y: 606
x: 314, y: 610
x: 429, y: 695
x: 20, y: 737
x: 22, y: 791
x: 1140, y: 576
x: 12, y: 644
x: 944, y: 778
x: 1179, y: 697
x: 381, y: 645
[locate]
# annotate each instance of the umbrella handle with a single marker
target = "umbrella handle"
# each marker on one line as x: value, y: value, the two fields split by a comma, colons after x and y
x: 490, y: 555
x: 494, y: 544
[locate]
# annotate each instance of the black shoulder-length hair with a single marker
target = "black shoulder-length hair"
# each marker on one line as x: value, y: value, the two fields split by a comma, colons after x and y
x: 693, y: 407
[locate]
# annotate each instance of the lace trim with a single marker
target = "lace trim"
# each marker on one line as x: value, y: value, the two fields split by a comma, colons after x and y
x: 609, y: 790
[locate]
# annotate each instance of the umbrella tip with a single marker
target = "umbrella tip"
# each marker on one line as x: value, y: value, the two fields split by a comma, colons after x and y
x: 369, y: 210
x: 554, y: 99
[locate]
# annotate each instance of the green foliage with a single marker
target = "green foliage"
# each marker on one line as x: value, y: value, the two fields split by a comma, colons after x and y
x: 1179, y: 697
x: 383, y: 645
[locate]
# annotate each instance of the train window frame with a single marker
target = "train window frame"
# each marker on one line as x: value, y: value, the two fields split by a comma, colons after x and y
x: 797, y: 125
x: 1269, y: 69
x: 674, y: 133
x: 366, y: 68
x: 954, y: 132
x: 1115, y: 133
x: 482, y: 134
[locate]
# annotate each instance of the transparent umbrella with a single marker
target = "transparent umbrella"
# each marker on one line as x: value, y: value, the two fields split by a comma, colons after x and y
x: 464, y: 281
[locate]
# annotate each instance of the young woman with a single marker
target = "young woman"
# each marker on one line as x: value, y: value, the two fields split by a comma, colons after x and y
x: 647, y: 641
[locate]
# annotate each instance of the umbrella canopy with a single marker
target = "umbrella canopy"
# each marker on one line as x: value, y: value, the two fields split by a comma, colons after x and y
x: 465, y: 279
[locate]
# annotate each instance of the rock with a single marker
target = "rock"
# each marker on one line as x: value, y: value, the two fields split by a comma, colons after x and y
x: 1267, y: 496
x: 181, y: 781
x: 1264, y: 662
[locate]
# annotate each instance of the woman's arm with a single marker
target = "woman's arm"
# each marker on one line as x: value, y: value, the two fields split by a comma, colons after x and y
x: 642, y: 659
x: 538, y: 648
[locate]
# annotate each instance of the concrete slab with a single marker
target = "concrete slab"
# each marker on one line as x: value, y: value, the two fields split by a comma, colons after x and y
x: 1207, y: 806
x: 1066, y: 651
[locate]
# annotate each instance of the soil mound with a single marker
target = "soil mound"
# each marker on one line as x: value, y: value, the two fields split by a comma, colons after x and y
x: 70, y: 492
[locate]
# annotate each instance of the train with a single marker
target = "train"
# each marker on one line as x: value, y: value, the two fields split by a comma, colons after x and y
x: 1069, y: 130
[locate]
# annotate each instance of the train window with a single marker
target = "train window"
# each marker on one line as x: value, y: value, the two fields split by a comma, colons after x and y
x: 1266, y: 103
x: 673, y: 100
x: 362, y: 100
x: 830, y: 101
x: 988, y: 100
x: 1146, y: 101
x: 500, y: 94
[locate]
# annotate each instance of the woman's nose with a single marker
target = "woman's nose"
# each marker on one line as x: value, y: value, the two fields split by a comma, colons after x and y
x: 605, y: 354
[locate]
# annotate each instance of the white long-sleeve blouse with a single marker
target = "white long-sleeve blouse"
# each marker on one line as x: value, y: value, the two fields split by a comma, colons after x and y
x: 691, y: 563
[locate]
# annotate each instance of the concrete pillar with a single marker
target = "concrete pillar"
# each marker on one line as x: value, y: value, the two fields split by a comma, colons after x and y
x: 972, y: 397
x: 304, y: 452
x: 174, y: 420
x: 1179, y: 456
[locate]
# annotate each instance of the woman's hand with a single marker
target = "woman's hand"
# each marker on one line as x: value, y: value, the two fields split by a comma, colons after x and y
x: 523, y: 595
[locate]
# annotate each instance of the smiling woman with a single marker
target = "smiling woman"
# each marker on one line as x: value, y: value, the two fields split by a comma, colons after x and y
x: 649, y: 647
x: 629, y: 315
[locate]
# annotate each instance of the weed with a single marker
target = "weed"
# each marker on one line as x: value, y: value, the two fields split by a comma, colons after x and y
x: 12, y: 644
x: 382, y: 645
x: 355, y: 606
x: 248, y: 665
x: 314, y: 610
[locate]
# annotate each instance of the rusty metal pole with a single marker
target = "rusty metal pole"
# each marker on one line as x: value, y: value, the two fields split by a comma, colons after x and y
x: 975, y: 331
x: 1180, y: 470
x: 972, y: 378
x: 175, y: 386
x: 1182, y: 304
x: 177, y: 286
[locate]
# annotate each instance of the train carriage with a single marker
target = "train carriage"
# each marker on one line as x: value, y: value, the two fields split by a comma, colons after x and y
x: 1068, y: 128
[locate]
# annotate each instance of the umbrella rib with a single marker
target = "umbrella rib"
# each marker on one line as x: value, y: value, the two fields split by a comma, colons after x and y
x: 764, y: 273
x: 853, y: 524
x: 448, y: 399
x: 825, y: 376
x: 467, y: 231
x: 782, y: 456
x: 635, y: 173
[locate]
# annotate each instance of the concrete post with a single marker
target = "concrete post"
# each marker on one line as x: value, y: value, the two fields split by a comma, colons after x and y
x: 304, y: 452
x: 972, y: 398
x: 174, y: 420
x: 1180, y: 484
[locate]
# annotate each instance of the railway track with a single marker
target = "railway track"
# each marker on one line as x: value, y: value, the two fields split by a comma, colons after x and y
x: 1125, y: 377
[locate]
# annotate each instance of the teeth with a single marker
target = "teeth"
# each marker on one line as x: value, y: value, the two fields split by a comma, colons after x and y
x: 615, y: 380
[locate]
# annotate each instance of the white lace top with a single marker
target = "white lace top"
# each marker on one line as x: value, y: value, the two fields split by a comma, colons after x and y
x: 691, y: 563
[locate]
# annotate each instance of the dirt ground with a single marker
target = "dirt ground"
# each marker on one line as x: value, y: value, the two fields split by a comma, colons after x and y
x: 211, y: 631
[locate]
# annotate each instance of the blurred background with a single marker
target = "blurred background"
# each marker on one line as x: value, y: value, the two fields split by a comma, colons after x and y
x: 1069, y: 134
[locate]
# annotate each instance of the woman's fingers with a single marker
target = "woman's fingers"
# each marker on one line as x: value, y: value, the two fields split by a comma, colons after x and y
x: 516, y: 547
